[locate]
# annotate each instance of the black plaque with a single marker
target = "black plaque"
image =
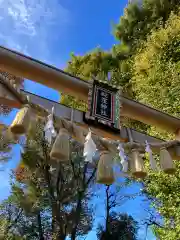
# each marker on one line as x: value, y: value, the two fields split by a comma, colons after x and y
x: 103, y: 104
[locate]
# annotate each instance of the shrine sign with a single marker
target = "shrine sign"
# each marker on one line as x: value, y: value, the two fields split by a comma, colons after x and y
x: 103, y: 104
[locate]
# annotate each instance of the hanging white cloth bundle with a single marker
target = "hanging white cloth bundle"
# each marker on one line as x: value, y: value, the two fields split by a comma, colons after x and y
x: 151, y: 158
x: 49, y: 129
x: 89, y: 148
x: 124, y: 159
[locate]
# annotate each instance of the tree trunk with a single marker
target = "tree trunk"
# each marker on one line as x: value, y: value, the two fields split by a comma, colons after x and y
x: 57, y: 228
x: 41, y: 235
x: 107, y: 213
x: 77, y: 217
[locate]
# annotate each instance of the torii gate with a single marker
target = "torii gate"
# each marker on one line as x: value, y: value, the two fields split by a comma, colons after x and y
x: 23, y: 66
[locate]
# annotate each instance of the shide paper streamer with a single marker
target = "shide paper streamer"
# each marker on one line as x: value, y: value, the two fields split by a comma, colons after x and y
x: 89, y: 148
x: 124, y: 159
x: 49, y: 129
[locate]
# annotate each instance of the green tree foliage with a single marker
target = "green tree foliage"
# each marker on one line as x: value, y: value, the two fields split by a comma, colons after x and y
x: 156, y: 82
x: 119, y: 227
x: 113, y: 66
x: 50, y: 198
x: 94, y: 64
x: 6, y: 143
x: 48, y: 192
x: 156, y: 68
x: 16, y: 224
x: 139, y: 20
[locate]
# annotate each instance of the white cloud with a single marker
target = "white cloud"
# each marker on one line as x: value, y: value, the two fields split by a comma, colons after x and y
x: 32, y: 26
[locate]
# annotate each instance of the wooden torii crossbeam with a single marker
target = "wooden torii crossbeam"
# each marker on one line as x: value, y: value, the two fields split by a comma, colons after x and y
x: 26, y: 67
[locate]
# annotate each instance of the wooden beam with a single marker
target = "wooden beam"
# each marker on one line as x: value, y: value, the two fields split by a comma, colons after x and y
x: 7, y: 98
x: 29, y: 68
x: 16, y: 100
x: 26, y: 67
x: 62, y: 111
x: 65, y: 112
x: 150, y: 116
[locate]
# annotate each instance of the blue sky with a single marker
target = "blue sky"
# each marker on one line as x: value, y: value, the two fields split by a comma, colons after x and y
x: 50, y: 31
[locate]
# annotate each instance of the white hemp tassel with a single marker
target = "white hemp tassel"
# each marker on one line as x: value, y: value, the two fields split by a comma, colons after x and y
x: 89, y: 148
x: 49, y: 129
x: 151, y: 158
x: 124, y: 160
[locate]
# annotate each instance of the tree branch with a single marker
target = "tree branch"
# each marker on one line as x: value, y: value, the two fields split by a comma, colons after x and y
x: 14, y: 222
x: 41, y: 235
